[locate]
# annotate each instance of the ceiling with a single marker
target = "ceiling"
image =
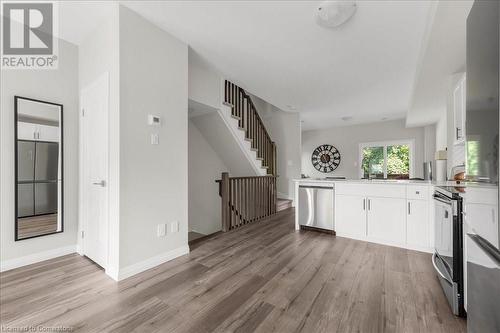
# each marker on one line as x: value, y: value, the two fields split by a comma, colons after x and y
x: 442, y: 56
x: 78, y: 19
x: 363, y: 71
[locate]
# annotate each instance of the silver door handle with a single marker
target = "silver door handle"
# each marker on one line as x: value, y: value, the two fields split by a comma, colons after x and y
x: 101, y: 183
x: 434, y: 256
x: 369, y: 204
x: 364, y: 204
x: 409, y: 208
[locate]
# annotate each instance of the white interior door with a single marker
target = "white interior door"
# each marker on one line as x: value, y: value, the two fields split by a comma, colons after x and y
x: 94, y: 118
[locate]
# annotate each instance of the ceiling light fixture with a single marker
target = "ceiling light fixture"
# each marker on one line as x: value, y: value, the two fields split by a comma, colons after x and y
x: 331, y: 14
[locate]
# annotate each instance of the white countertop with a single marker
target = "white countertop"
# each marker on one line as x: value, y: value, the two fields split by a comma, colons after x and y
x: 378, y: 181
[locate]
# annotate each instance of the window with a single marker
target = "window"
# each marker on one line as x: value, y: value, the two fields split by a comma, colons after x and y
x: 386, y: 160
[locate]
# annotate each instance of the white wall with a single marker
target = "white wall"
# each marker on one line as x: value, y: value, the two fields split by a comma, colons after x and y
x: 285, y: 130
x: 430, y: 146
x: 441, y: 133
x: 205, y: 166
x: 347, y: 139
x: 153, y: 178
x: 204, y: 81
x: 99, y: 53
x: 59, y: 86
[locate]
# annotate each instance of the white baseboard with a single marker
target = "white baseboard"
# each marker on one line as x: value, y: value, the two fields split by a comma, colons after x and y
x: 6, y: 265
x: 148, y: 263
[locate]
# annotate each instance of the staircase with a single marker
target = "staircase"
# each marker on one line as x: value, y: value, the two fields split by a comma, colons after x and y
x: 252, y: 197
x: 249, y: 122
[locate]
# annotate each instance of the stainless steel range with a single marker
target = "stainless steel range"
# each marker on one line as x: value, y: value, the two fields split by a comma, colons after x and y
x: 448, y: 242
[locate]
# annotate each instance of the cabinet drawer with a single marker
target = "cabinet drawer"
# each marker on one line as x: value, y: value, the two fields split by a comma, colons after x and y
x: 417, y: 192
x: 372, y: 190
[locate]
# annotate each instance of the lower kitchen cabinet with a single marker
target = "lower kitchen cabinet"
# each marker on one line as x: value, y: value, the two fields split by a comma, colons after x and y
x: 417, y: 224
x: 386, y: 220
x: 350, y: 218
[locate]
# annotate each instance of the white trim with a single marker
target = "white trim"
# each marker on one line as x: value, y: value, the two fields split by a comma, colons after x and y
x: 6, y: 265
x: 409, y: 142
x: 147, y: 264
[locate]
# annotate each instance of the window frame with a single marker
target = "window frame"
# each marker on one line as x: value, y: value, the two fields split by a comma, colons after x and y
x: 409, y: 142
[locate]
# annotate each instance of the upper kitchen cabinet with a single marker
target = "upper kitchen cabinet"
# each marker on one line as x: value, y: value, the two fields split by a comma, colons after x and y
x: 459, y: 93
x: 37, y: 132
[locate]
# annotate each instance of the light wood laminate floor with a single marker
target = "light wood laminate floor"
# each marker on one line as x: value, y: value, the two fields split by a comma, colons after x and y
x: 260, y: 278
x: 36, y: 225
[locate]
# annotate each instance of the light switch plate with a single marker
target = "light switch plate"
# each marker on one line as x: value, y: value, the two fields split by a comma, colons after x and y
x: 174, y: 226
x: 162, y: 230
x: 155, y: 139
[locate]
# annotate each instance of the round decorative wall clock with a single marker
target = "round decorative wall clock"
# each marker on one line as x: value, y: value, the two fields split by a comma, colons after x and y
x: 325, y: 158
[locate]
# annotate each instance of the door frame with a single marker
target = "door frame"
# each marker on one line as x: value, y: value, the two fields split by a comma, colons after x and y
x: 82, y: 225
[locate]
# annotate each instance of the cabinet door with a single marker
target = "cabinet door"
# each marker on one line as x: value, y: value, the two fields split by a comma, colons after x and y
x: 417, y: 223
x: 48, y: 133
x: 387, y: 220
x: 350, y: 216
x: 26, y: 131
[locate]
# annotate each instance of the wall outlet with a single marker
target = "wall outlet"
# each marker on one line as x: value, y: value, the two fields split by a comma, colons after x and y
x: 162, y: 230
x: 174, y: 226
x: 155, y: 139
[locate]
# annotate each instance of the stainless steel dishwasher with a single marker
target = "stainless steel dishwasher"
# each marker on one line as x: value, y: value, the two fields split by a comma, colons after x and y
x: 316, y: 206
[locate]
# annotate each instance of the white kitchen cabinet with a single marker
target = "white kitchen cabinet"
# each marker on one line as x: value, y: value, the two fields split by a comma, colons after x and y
x: 459, y: 94
x: 37, y: 132
x: 417, y: 224
x: 26, y: 131
x: 48, y: 133
x: 386, y: 220
x: 350, y: 218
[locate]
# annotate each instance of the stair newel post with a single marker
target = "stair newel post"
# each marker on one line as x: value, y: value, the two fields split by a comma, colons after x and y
x: 226, y: 212
x: 273, y: 159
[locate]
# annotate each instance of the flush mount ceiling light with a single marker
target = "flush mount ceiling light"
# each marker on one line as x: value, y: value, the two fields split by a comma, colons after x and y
x: 331, y: 14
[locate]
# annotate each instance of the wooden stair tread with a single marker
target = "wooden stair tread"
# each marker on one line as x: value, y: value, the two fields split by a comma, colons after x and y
x: 282, y: 204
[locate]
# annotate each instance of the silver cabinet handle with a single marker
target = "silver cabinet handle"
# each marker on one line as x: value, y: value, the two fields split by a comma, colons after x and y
x: 364, y: 204
x: 369, y: 204
x: 101, y: 183
x: 409, y: 208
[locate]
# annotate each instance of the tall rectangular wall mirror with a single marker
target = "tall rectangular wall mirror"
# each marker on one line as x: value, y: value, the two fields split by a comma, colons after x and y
x: 39, y: 168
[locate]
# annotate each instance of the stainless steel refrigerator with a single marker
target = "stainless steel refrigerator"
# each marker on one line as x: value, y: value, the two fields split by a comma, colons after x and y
x: 482, y: 248
x: 37, y: 170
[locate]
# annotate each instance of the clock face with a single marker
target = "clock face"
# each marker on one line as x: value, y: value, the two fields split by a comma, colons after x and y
x: 325, y: 158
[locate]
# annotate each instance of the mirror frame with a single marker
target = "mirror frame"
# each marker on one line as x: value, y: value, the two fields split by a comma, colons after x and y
x: 61, y: 143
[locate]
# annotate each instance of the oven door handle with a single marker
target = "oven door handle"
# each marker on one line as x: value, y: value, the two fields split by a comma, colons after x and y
x: 438, y: 198
x: 434, y: 256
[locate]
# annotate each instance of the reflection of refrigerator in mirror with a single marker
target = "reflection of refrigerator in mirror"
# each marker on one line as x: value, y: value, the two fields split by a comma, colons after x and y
x: 46, y: 172
x: 38, y: 169
x: 46, y: 161
x: 26, y: 161
x: 25, y: 204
